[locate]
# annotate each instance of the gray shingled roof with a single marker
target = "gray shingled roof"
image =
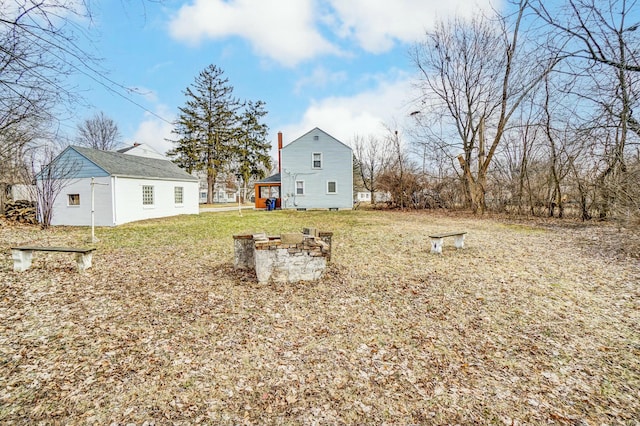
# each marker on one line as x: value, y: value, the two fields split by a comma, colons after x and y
x: 119, y: 164
x: 271, y: 179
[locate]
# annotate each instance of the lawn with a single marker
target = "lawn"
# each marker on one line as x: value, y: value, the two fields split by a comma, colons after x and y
x: 532, y: 323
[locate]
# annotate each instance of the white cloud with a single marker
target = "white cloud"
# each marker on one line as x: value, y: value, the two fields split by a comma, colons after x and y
x: 153, y: 131
x: 287, y: 31
x: 377, y: 24
x: 283, y: 30
x: 364, y: 114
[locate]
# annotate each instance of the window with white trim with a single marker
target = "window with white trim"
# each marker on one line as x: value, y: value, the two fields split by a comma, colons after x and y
x: 332, y: 187
x: 178, y: 194
x: 147, y: 195
x: 73, y: 199
x: 299, y: 187
x: 317, y: 160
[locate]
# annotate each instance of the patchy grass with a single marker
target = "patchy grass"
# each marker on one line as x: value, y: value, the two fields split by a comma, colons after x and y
x: 531, y: 323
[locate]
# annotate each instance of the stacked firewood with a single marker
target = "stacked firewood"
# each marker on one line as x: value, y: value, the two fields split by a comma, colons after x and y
x: 22, y: 211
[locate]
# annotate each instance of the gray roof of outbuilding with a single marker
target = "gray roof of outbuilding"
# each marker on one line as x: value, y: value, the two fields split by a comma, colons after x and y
x: 119, y: 164
x: 271, y: 179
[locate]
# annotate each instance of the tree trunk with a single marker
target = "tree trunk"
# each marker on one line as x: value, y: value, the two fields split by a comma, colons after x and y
x: 211, y: 183
x: 479, y: 189
x: 468, y: 181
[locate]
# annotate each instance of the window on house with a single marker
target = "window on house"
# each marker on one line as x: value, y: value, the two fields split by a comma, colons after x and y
x: 317, y: 160
x: 178, y: 194
x: 332, y: 187
x: 316, y: 137
x: 275, y: 192
x: 147, y: 195
x: 73, y: 199
x: 299, y: 187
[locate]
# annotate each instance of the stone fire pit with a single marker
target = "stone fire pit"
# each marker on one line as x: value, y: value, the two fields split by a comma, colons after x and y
x: 289, y: 257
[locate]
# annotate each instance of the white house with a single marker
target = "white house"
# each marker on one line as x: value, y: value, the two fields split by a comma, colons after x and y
x: 316, y: 173
x: 380, y: 197
x: 142, y: 150
x: 127, y: 187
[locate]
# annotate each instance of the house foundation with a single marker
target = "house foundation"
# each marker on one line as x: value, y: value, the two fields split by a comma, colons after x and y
x: 289, y: 257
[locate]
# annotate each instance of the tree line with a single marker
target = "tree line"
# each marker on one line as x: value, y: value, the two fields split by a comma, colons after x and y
x: 528, y: 111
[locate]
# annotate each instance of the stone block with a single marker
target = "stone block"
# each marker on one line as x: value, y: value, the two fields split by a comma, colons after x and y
x: 310, y: 231
x: 291, y: 238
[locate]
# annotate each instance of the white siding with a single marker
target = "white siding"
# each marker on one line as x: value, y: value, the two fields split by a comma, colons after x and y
x: 128, y: 199
x: 128, y: 206
x: 63, y: 214
x: 337, y: 166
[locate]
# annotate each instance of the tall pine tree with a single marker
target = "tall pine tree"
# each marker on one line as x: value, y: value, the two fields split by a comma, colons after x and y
x: 207, y: 126
x: 253, y: 159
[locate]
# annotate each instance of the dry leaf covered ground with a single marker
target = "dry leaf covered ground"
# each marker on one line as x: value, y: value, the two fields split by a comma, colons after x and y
x: 532, y: 323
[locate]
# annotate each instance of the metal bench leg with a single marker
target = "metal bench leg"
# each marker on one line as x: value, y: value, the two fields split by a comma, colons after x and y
x: 459, y: 241
x: 436, y: 245
x: 21, y: 259
x: 84, y: 261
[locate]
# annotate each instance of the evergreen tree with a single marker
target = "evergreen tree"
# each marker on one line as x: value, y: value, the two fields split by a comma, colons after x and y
x: 207, y: 126
x: 253, y: 159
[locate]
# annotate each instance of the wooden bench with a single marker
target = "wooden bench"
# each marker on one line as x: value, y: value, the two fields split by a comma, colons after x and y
x: 437, y: 240
x: 22, y: 256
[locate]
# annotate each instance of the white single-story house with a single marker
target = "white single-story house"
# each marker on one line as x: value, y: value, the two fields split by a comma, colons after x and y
x: 220, y: 196
x: 365, y: 197
x: 126, y: 187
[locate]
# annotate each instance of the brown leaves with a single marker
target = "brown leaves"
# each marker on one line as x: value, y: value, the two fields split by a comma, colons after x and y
x: 519, y: 327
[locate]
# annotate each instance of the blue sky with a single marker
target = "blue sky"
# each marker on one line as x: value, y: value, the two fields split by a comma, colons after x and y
x: 341, y: 65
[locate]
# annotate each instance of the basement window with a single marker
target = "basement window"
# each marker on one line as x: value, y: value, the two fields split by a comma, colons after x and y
x: 73, y: 199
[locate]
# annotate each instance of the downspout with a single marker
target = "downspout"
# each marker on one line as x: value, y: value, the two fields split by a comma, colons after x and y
x: 280, y: 155
x: 280, y: 165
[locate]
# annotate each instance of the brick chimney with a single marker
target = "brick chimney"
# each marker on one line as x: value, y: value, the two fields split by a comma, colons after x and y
x: 279, y: 152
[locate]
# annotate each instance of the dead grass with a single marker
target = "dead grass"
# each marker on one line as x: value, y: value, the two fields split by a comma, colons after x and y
x: 531, y: 323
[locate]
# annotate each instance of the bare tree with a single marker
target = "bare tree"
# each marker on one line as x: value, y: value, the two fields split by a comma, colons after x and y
x: 399, y: 175
x: 40, y: 48
x: 370, y: 159
x: 13, y: 145
x: 51, y: 172
x: 99, y: 132
x: 599, y: 30
x: 600, y: 39
x: 478, y: 74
